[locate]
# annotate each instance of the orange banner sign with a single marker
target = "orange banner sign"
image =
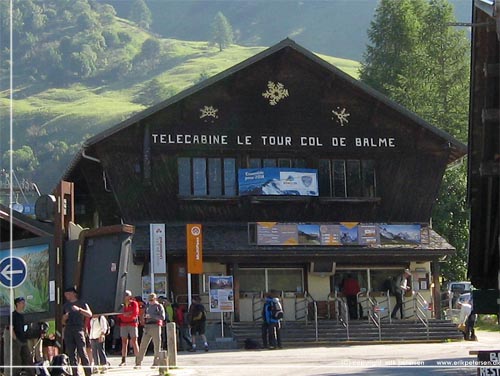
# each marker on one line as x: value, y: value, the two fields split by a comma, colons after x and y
x: 194, y: 249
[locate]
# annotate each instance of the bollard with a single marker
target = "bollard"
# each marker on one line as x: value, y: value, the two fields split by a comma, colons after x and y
x: 163, y: 363
x: 172, y: 344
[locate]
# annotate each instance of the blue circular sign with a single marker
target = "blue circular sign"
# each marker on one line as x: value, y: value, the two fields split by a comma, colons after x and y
x: 13, y: 271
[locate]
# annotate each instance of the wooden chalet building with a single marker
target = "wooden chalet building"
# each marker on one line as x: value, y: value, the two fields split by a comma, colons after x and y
x: 348, y: 181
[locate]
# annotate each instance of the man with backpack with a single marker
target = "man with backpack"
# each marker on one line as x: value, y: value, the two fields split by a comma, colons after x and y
x: 272, y: 314
x: 197, y: 321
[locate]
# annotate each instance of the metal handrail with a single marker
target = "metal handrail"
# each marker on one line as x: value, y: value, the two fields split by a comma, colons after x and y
x: 257, y: 312
x: 342, y: 314
x: 306, y: 300
x: 373, y: 314
x: 362, y: 299
x: 420, y: 306
x: 304, y: 309
x: 384, y: 302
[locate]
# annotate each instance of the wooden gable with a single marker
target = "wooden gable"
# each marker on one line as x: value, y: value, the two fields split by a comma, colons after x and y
x: 282, y: 103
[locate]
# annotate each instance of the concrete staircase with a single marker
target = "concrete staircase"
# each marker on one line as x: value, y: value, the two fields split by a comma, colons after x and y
x: 330, y: 332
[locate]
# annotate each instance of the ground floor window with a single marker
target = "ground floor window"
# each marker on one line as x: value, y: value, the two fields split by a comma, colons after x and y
x: 267, y: 279
x: 370, y: 279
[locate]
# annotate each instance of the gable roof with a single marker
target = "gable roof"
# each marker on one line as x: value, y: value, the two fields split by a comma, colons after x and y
x: 458, y: 149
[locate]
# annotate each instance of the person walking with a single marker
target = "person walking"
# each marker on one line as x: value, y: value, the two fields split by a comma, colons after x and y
x: 129, y: 321
x: 401, y: 287
x: 197, y: 321
x: 350, y: 289
x: 99, y: 328
x: 154, y: 318
x: 180, y: 317
x: 75, y: 311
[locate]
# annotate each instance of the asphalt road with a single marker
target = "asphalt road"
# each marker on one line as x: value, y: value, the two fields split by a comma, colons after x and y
x: 380, y: 359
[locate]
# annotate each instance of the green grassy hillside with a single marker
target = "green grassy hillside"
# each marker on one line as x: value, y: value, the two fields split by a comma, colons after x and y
x: 63, y: 117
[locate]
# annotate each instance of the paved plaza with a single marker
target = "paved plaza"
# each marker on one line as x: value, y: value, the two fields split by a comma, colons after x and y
x: 451, y: 358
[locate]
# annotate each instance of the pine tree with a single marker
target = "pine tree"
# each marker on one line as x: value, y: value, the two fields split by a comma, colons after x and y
x: 421, y: 62
x: 393, y: 34
x: 222, y: 32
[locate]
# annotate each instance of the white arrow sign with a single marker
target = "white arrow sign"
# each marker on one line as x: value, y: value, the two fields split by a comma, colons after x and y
x: 7, y: 273
x: 13, y: 271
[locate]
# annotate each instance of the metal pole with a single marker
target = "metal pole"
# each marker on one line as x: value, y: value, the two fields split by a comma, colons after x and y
x: 189, y: 289
x: 222, y: 324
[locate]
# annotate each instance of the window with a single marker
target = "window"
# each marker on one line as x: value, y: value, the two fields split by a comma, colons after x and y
x: 346, y: 178
x: 212, y: 177
x: 372, y: 279
x: 282, y: 279
x: 276, y: 162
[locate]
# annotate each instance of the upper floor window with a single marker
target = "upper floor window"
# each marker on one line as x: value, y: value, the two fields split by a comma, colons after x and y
x: 276, y: 162
x: 346, y: 178
x: 213, y: 177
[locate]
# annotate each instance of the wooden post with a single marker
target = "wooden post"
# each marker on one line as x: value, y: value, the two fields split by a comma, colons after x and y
x: 172, y: 344
x: 64, y: 213
x: 436, y: 290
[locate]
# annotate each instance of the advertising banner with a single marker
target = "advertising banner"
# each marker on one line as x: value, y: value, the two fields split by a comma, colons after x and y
x: 278, y: 182
x: 338, y: 234
x: 194, y: 248
x: 272, y: 233
x: 221, y: 293
x: 399, y: 234
x: 158, y: 248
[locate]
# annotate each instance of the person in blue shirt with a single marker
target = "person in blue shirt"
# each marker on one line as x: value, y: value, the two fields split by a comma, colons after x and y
x: 269, y: 324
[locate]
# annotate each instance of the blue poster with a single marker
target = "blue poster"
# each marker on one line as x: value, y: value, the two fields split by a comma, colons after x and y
x: 278, y: 182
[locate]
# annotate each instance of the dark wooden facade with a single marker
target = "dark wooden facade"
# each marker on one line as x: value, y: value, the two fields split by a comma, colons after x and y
x: 129, y: 173
x: 141, y: 176
x: 484, y: 147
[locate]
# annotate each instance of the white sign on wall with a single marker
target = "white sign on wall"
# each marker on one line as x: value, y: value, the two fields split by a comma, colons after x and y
x: 158, y: 248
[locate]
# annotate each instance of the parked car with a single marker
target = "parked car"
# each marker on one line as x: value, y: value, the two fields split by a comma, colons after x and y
x: 463, y: 298
x: 459, y: 287
x: 452, y: 292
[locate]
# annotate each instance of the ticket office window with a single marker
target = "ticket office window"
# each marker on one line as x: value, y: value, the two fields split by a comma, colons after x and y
x: 372, y: 279
x: 360, y: 275
x: 267, y: 279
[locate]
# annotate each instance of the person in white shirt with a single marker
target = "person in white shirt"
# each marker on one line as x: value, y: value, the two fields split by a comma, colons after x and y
x: 401, y: 288
x: 99, y: 328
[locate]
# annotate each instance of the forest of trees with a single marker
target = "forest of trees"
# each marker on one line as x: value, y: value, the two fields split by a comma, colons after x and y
x: 417, y: 59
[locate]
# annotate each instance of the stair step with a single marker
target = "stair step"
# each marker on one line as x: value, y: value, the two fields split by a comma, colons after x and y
x: 330, y: 331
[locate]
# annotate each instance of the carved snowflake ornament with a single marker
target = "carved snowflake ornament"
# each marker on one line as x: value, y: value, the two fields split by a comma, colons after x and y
x: 341, y: 116
x: 275, y: 92
x: 208, y: 111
